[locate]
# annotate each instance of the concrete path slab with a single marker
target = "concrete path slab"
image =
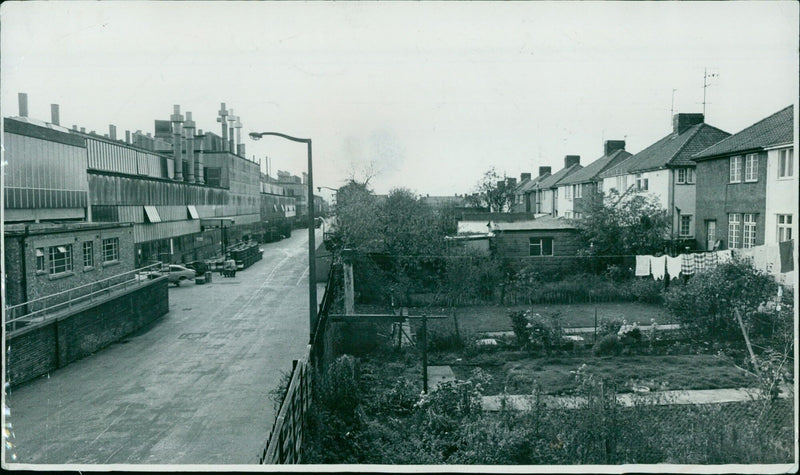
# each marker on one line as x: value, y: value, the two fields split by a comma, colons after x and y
x: 524, y: 402
x: 438, y: 375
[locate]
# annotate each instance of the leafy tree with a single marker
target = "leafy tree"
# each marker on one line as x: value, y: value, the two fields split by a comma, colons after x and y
x: 617, y: 225
x: 357, y: 225
x: 494, y: 192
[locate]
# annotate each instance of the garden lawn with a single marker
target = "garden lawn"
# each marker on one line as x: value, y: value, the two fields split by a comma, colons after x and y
x: 475, y: 320
x: 513, y: 373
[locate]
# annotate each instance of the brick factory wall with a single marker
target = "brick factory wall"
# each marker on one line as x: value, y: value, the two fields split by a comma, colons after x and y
x: 39, y: 349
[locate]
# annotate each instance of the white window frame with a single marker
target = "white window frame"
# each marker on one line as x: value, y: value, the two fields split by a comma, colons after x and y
x: 688, y: 223
x: 735, y: 169
x: 749, y: 230
x: 568, y: 192
x: 784, y: 227
x: 786, y: 163
x: 110, y: 250
x: 88, y: 257
x: 734, y: 228
x: 751, y: 168
x: 681, y: 180
x: 60, y: 259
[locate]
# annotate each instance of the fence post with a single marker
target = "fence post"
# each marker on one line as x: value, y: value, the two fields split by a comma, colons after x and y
x: 424, y: 343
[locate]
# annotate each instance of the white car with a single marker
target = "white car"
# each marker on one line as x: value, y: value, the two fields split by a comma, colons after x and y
x: 178, y: 274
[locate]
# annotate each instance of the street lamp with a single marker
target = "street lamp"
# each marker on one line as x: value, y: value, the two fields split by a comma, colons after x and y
x: 312, y: 262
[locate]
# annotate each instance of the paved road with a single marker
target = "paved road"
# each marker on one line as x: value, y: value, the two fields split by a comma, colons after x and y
x: 190, y: 389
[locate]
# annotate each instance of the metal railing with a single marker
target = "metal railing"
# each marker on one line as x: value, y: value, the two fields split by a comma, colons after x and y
x: 20, y: 315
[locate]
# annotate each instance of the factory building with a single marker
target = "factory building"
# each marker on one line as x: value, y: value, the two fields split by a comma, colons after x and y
x: 182, y: 194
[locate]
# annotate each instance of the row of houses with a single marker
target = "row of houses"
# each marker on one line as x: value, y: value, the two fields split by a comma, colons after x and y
x: 720, y: 190
x: 79, y: 206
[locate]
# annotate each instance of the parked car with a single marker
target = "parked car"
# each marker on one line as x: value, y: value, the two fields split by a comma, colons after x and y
x: 178, y: 274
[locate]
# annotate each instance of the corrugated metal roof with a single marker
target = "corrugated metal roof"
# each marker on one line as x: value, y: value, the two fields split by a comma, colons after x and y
x: 776, y: 129
x: 590, y: 171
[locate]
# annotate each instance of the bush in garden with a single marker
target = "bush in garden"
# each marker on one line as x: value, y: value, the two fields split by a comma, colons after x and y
x: 519, y: 323
x: 339, y: 389
x: 705, y: 305
x: 608, y: 345
x: 647, y: 290
x: 536, y: 331
x: 609, y: 326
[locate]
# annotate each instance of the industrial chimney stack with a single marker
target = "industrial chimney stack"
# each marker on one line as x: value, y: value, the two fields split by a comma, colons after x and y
x: 23, y: 104
x: 188, y: 128
x: 54, y: 115
x: 177, y: 122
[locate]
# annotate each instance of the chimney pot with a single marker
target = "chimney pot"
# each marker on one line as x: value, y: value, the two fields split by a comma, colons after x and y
x: 570, y: 160
x: 23, y: 104
x: 74, y: 127
x: 524, y: 176
x: 112, y: 131
x: 682, y: 122
x: 83, y: 130
x: 612, y: 146
x: 54, y: 115
x: 544, y: 171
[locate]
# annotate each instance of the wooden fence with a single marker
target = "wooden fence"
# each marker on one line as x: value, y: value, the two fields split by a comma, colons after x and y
x: 285, y: 442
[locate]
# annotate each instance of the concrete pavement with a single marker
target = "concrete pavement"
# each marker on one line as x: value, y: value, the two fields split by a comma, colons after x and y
x: 191, y: 389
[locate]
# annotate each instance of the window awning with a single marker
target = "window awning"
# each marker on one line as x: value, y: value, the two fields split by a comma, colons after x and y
x: 151, y: 213
x: 193, y: 212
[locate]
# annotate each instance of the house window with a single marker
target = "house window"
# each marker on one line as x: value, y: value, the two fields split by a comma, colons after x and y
x: 686, y: 223
x: 578, y: 215
x: 784, y: 227
x: 785, y: 169
x: 600, y: 186
x: 60, y: 259
x: 541, y: 246
x: 568, y: 192
x: 577, y: 191
x: 88, y: 254
x: 751, y: 167
x: 685, y: 176
x: 735, y: 169
x: 40, y: 259
x: 749, y: 239
x: 734, y: 224
x: 641, y: 183
x: 110, y: 250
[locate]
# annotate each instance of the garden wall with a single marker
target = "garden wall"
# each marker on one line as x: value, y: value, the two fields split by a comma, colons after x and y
x: 43, y: 347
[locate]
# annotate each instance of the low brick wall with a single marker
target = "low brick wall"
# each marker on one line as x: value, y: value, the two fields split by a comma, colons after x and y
x: 44, y: 347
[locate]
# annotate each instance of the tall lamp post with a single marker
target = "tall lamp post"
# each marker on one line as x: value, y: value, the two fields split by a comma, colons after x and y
x: 312, y: 262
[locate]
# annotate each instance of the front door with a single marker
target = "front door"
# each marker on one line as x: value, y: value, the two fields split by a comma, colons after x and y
x: 711, y: 234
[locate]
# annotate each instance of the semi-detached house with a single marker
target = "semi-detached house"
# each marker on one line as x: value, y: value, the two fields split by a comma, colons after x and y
x: 666, y: 172
x: 747, y: 186
x: 525, y: 189
x: 576, y: 190
x: 545, y: 193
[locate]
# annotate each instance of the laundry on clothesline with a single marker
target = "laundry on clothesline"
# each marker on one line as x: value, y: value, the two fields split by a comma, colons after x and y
x: 642, y: 266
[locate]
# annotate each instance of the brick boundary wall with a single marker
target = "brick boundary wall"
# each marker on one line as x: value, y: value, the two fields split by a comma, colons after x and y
x: 36, y: 350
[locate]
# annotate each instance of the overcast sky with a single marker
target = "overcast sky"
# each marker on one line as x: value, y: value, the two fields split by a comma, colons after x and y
x: 433, y: 93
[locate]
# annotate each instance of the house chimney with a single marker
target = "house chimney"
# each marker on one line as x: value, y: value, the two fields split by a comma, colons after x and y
x: 612, y: 146
x: 570, y: 160
x: 23, y: 104
x: 177, y: 120
x: 54, y: 116
x: 83, y: 130
x: 74, y: 127
x: 512, y: 182
x: 112, y: 131
x: 681, y: 122
x: 524, y: 176
x: 544, y: 171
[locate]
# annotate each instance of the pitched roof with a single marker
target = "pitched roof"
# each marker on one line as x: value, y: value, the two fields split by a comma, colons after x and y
x: 776, y: 129
x: 674, y: 149
x: 528, y: 185
x: 551, y: 181
x: 590, y: 171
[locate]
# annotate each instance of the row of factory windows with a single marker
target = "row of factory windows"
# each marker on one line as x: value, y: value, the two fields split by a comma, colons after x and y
x: 55, y: 260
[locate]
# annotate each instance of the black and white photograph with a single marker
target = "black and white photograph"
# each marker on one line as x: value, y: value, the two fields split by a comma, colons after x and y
x: 400, y: 236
